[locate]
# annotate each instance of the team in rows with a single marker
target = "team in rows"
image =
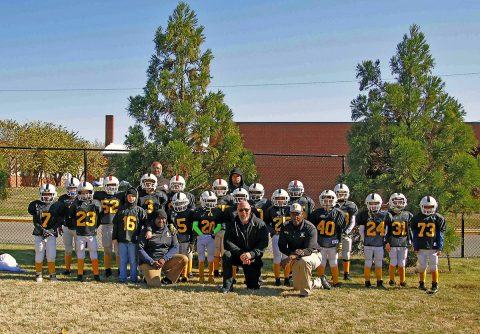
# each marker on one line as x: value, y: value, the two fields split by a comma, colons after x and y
x: 124, y: 217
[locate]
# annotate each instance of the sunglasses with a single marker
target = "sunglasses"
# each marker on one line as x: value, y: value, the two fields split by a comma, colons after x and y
x: 243, y: 210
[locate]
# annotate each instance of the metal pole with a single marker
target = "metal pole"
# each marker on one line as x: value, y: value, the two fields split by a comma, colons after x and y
x: 85, y: 165
x: 343, y: 165
x: 462, y: 251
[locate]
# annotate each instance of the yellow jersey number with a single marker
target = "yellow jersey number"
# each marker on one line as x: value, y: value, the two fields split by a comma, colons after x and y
x: 46, y: 218
x: 400, y: 228
x: 150, y: 206
x: 373, y: 229
x: 86, y: 218
x: 181, y: 226
x: 260, y: 213
x: 326, y: 228
x: 279, y: 221
x: 423, y: 226
x: 110, y: 206
x: 207, y: 226
x: 129, y: 223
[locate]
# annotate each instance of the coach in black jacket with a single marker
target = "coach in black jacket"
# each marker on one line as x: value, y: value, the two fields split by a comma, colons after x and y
x: 246, y: 238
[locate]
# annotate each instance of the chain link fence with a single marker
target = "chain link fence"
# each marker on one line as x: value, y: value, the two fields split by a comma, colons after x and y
x: 317, y: 172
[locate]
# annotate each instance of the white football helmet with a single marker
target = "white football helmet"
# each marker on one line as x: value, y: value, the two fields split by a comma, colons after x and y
x: 328, y: 199
x: 220, y: 187
x: 208, y: 199
x: 295, y: 189
x: 71, y: 186
x: 342, y: 192
x: 374, y: 202
x: 48, y: 193
x: 428, y: 205
x: 240, y: 195
x: 110, y: 184
x: 85, y: 191
x: 280, y: 198
x: 256, y: 191
x: 397, y: 202
x: 148, y: 182
x: 177, y: 184
x: 180, y: 202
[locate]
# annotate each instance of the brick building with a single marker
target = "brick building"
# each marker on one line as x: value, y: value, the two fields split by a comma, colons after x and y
x: 314, y: 138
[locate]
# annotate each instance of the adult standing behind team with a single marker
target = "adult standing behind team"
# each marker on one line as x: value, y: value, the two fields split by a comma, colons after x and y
x: 235, y: 180
x: 162, y: 183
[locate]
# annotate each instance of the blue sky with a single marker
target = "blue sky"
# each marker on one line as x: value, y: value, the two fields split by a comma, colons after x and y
x: 107, y: 44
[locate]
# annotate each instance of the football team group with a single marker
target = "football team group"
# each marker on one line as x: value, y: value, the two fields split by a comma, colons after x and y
x: 157, y: 228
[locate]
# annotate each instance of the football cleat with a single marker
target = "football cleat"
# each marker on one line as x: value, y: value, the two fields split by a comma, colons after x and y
x: 380, y: 284
x: 278, y: 282
x: 368, y: 285
x: 66, y: 272
x: 286, y: 281
x: 422, y: 286
x: 337, y: 285
x: 190, y: 275
x: 166, y: 281
x: 216, y: 273
x: 108, y: 272
x: 325, y: 283
x: 53, y: 278
x: 434, y: 289
x: 316, y: 284
x: 391, y: 283
x: 225, y: 290
x: 184, y: 279
x: 80, y: 278
x: 38, y: 278
x: 346, y: 277
x: 403, y: 284
x: 97, y: 278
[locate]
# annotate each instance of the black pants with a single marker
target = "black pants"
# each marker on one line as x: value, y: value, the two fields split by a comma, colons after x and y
x: 252, y: 271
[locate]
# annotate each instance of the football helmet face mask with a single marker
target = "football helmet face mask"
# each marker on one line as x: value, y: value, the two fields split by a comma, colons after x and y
x: 428, y: 205
x: 85, y: 191
x: 177, y: 184
x: 48, y: 193
x: 280, y: 198
x: 342, y: 192
x: 180, y: 202
x: 256, y: 191
x: 71, y: 186
x: 208, y: 200
x: 148, y: 182
x: 327, y: 199
x: 220, y: 187
x: 295, y: 189
x: 110, y: 184
x: 397, y: 202
x: 240, y: 195
x: 373, y: 202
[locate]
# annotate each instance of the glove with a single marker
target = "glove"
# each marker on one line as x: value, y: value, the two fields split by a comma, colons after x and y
x: 47, y: 233
x: 172, y: 229
x: 190, y: 248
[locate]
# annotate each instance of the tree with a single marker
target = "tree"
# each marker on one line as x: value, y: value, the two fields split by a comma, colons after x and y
x: 50, y: 164
x: 3, y: 177
x: 178, y: 121
x: 409, y: 135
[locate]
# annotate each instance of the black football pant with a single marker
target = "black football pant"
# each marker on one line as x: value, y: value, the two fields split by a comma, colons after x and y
x: 252, y: 271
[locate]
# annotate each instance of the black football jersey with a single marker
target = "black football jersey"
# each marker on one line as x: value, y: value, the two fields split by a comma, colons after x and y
x: 183, y: 223
x: 207, y: 220
x: 86, y: 216
x: 307, y: 204
x: 45, y: 217
x: 276, y: 217
x: 110, y: 204
x: 428, y: 231
x: 330, y: 226
x: 399, y: 233
x: 350, y: 209
x: 151, y: 203
x: 260, y: 207
x: 375, y: 226
x: 65, y: 202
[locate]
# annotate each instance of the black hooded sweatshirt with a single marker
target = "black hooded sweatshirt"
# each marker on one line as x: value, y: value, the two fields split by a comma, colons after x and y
x: 231, y: 186
x: 129, y: 220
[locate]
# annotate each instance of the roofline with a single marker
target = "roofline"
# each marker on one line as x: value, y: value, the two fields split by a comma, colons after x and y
x: 302, y: 123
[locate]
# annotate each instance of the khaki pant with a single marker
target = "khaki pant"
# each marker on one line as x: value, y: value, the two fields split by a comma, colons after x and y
x: 172, y: 268
x: 219, y: 243
x: 302, y: 272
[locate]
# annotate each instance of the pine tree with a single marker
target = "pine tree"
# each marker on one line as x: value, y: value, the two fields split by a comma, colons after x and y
x: 409, y: 135
x: 178, y: 121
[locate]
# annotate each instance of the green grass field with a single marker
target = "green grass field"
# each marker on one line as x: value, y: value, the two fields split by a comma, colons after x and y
x: 109, y: 307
